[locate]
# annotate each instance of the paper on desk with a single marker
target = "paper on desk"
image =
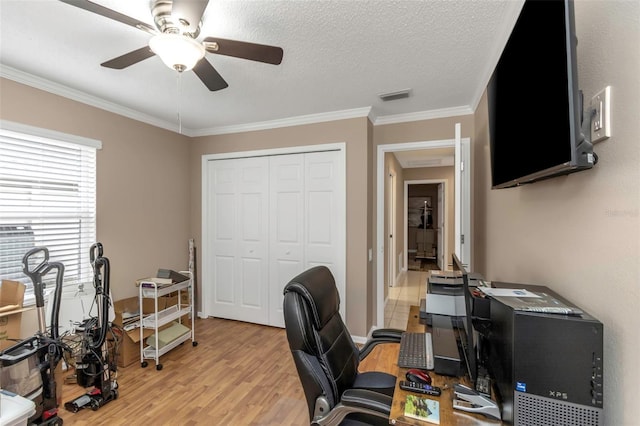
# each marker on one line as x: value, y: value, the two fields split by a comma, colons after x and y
x: 509, y: 292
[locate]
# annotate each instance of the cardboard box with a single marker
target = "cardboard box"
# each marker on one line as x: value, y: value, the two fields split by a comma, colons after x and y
x: 11, y: 295
x: 11, y: 298
x: 128, y: 350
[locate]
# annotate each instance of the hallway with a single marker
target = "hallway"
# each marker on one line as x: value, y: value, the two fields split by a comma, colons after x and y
x: 408, y: 291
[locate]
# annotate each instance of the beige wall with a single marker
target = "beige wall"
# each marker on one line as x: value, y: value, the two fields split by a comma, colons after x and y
x: 353, y: 132
x: 142, y: 181
x: 580, y: 234
x: 142, y: 184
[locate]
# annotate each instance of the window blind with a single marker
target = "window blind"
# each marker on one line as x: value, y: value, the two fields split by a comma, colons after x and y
x: 47, y: 199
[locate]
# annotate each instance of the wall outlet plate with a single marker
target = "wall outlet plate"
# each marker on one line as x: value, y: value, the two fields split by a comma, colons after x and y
x: 601, y: 122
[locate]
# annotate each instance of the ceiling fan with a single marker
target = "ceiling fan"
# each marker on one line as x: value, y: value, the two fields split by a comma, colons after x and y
x: 175, y: 41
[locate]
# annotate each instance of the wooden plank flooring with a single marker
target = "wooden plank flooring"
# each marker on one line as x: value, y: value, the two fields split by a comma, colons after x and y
x: 238, y: 374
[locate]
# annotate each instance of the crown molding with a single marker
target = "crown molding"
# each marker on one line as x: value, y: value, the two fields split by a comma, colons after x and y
x: 286, y: 122
x: 422, y: 115
x: 76, y: 95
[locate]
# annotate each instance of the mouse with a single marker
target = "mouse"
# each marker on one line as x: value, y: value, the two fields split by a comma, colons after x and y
x: 418, y: 376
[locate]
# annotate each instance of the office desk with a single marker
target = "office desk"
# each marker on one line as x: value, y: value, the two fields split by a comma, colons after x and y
x: 448, y: 416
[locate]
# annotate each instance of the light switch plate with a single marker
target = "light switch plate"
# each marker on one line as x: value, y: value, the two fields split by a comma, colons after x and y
x: 601, y: 122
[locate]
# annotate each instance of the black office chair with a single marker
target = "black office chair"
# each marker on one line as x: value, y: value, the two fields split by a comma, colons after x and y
x: 327, y: 359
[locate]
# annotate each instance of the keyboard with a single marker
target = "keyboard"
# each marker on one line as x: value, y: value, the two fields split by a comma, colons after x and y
x: 416, y: 351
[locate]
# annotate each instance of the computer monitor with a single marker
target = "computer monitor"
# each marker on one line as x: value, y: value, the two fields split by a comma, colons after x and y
x: 468, y: 339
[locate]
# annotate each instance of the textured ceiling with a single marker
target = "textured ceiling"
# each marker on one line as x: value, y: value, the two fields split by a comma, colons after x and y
x: 338, y: 57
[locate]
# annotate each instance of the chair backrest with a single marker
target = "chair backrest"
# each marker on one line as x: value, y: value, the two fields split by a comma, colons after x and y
x: 324, y: 353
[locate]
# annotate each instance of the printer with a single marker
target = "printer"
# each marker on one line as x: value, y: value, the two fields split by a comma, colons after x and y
x: 445, y: 294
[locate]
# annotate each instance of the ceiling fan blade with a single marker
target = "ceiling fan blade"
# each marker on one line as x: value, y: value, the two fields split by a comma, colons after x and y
x: 244, y: 50
x: 130, y: 58
x: 111, y: 14
x: 189, y: 12
x: 209, y: 76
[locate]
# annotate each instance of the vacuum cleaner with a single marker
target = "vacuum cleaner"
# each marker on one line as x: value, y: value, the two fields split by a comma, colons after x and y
x: 31, y: 363
x: 94, y: 364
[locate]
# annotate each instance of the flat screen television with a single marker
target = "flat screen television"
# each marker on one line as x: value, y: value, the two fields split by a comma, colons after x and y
x: 534, y: 104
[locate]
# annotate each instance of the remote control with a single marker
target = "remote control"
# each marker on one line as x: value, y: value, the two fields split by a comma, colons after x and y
x: 420, y: 388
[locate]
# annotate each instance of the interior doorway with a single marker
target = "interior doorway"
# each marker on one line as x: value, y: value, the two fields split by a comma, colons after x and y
x: 426, y: 226
x: 462, y: 205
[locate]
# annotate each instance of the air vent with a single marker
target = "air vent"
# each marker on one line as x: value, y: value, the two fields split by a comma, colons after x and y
x: 432, y: 162
x: 392, y: 96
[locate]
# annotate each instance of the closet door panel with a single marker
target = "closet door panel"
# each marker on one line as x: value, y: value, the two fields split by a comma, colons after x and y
x: 252, y: 279
x: 239, y: 266
x: 325, y: 216
x: 224, y: 278
x: 320, y: 209
x: 252, y: 265
x: 222, y: 212
x: 286, y: 181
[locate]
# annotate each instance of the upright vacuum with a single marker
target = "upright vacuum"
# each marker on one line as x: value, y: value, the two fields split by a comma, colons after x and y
x: 31, y: 363
x: 95, y: 365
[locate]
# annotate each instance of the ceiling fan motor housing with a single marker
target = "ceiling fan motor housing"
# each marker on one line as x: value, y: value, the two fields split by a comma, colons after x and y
x: 169, y: 24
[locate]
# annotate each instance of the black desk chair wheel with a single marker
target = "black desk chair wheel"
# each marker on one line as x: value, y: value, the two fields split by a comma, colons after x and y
x: 327, y: 359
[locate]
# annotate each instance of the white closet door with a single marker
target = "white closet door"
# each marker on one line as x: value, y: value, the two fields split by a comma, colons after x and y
x: 240, y: 212
x: 306, y: 223
x: 286, y: 228
x: 267, y: 219
x: 325, y: 216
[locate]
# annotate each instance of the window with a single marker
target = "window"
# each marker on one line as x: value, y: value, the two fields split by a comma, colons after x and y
x: 47, y: 199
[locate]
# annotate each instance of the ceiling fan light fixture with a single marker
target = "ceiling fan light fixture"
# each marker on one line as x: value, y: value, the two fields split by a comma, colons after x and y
x: 177, y: 51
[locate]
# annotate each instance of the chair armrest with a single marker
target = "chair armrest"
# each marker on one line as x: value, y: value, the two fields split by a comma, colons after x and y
x: 381, y: 335
x: 365, y: 399
x: 387, y: 332
x: 362, y: 401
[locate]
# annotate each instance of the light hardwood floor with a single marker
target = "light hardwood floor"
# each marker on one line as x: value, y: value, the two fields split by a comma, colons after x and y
x: 238, y: 374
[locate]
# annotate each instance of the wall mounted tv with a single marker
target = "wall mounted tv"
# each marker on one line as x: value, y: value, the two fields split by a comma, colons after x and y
x: 535, y: 106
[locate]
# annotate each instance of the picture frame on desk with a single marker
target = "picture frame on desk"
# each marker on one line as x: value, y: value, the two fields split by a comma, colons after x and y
x: 421, y: 408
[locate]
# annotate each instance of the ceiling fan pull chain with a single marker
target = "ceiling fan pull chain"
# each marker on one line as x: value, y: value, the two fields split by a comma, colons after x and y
x: 178, y: 93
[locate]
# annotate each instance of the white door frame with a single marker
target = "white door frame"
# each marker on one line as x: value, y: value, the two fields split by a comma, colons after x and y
x: 445, y: 183
x: 391, y: 231
x: 462, y: 192
x: 380, y: 237
x: 340, y: 273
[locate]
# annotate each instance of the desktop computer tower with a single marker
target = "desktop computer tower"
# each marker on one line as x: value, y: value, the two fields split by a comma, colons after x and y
x: 547, y: 368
